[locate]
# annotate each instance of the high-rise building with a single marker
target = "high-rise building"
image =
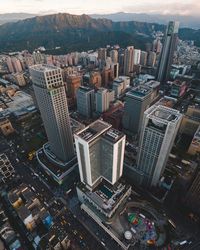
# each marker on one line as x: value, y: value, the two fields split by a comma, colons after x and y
x: 50, y: 92
x: 157, y: 46
x: 103, y: 99
x: 85, y: 101
x: 114, y: 55
x: 100, y: 152
x: 137, y: 54
x: 159, y: 129
x: 102, y: 54
x: 151, y: 59
x: 166, y: 56
x: 10, y: 65
x: 95, y: 79
x: 115, y: 70
x: 143, y: 58
x: 107, y: 76
x: 136, y: 102
x: 128, y: 60
x: 73, y: 81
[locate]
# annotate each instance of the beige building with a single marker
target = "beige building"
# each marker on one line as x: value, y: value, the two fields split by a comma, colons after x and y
x: 19, y: 79
x: 6, y: 127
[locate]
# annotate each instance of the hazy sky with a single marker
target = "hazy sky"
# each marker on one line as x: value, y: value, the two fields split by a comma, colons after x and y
x: 184, y: 7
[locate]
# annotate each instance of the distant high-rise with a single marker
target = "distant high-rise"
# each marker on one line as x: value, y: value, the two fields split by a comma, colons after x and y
x: 166, y: 56
x: 100, y: 152
x: 136, y: 102
x: 85, y: 101
x: 73, y: 81
x: 151, y: 59
x: 137, y: 55
x: 102, y: 54
x: 114, y: 55
x: 128, y: 60
x: 51, y: 97
x: 143, y: 58
x: 159, y: 129
x: 103, y: 99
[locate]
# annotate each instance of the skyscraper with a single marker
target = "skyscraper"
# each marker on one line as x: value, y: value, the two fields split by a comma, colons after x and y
x: 100, y: 152
x: 114, y: 55
x: 128, y: 60
x: 137, y: 54
x: 85, y: 101
x: 166, y: 56
x: 136, y: 102
x: 159, y: 129
x: 143, y: 58
x: 102, y: 54
x: 51, y: 97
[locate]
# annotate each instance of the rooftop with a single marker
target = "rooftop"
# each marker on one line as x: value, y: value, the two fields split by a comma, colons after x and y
x: 85, y: 89
x: 163, y: 114
x: 93, y: 130
x: 140, y: 91
x: 113, y: 135
x: 105, y: 195
x: 43, y: 67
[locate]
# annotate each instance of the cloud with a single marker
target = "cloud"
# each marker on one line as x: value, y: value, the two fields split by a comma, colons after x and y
x: 183, y: 7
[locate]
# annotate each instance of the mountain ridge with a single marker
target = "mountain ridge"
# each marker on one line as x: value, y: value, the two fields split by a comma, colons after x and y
x: 78, y: 32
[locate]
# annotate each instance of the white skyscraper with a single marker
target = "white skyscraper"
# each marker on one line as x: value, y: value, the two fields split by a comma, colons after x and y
x: 158, y: 132
x: 51, y: 97
x: 100, y: 152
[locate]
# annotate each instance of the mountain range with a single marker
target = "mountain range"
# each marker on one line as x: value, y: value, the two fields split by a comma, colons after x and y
x: 73, y: 32
x: 14, y: 17
x: 79, y: 32
x: 185, y: 21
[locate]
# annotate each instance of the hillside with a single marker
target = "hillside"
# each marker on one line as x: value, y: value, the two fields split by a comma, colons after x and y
x: 72, y: 32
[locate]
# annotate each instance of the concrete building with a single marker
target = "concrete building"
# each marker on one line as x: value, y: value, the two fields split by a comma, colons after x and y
x: 102, y: 54
x: 166, y: 56
x: 143, y: 58
x: 19, y: 79
x: 114, y: 55
x: 120, y: 85
x: 58, y: 154
x: 85, y: 101
x: 114, y: 115
x: 107, y: 76
x: 74, y: 81
x: 190, y: 121
x: 151, y: 59
x: 137, y: 55
x: 178, y: 88
x: 95, y: 79
x: 159, y: 129
x: 103, y: 99
x: 100, y: 152
x: 128, y: 60
x: 136, y: 102
x: 115, y: 70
